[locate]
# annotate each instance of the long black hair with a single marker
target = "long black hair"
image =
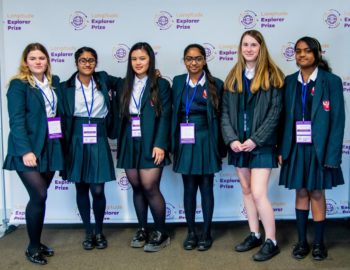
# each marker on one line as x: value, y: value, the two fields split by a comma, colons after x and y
x: 211, y: 81
x: 316, y: 49
x: 130, y: 76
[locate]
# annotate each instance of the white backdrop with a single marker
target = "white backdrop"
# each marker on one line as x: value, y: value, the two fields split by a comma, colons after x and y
x: 113, y: 26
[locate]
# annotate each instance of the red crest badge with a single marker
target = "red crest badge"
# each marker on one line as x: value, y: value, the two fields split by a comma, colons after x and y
x: 152, y: 104
x: 312, y: 91
x: 110, y: 93
x: 204, y: 94
x: 326, y: 105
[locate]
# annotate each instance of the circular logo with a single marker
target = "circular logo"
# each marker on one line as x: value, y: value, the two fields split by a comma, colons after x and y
x: 163, y: 20
x: 332, y: 18
x: 288, y: 51
x: 169, y: 211
x: 123, y: 183
x: 248, y: 19
x: 331, y: 207
x: 209, y: 51
x: 244, y: 212
x: 121, y: 52
x: 78, y: 20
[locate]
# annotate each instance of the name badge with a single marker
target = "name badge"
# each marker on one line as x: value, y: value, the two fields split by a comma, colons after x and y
x: 187, y: 133
x: 89, y: 133
x: 54, y: 127
x: 303, y: 132
x: 135, y: 127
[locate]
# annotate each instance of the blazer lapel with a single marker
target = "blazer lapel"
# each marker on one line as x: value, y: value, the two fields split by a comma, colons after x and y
x: 293, y: 93
x: 146, y: 93
x: 39, y: 96
x: 71, y: 99
x: 316, y: 101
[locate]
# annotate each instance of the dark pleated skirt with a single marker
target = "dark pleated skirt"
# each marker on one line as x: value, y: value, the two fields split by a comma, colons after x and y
x: 199, y: 158
x: 133, y: 153
x: 303, y: 170
x: 50, y: 160
x: 261, y: 157
x: 90, y: 163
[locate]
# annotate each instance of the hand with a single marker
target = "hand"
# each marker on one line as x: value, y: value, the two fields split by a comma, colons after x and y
x: 280, y: 160
x: 158, y: 155
x: 29, y: 159
x: 236, y: 146
x: 248, y: 145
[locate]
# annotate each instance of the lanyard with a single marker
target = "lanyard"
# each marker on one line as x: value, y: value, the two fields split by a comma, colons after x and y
x: 189, y: 102
x: 92, y: 101
x: 52, y: 105
x: 138, y: 104
x: 303, y: 96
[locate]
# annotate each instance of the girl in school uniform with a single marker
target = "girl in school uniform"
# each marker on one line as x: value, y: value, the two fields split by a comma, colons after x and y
x: 34, y: 149
x: 196, y: 140
x: 143, y: 145
x: 87, y: 99
x: 311, y: 142
x: 251, y: 107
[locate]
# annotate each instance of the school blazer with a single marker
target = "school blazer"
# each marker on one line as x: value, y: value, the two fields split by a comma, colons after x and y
x: 28, y: 121
x: 155, y: 130
x: 179, y: 85
x: 327, y: 117
x: 267, y: 108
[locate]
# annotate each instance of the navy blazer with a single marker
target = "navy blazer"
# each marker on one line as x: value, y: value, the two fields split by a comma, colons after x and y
x: 327, y: 124
x: 28, y: 120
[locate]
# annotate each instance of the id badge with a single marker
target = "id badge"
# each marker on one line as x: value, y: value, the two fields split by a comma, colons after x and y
x: 89, y: 133
x: 303, y: 132
x: 54, y: 127
x: 187, y: 133
x: 135, y: 127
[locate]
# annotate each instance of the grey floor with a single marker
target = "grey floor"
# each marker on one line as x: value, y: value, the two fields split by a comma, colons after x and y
x: 66, y: 240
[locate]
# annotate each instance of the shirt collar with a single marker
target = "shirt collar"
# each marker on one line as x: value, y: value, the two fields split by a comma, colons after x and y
x: 43, y: 84
x: 140, y: 81
x: 249, y: 73
x: 312, y: 77
x: 78, y: 83
x: 201, y: 82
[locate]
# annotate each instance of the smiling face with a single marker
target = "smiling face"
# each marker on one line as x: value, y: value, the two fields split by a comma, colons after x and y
x: 140, y: 62
x: 37, y: 63
x: 250, y: 50
x: 304, y: 56
x: 194, y: 61
x: 86, y: 64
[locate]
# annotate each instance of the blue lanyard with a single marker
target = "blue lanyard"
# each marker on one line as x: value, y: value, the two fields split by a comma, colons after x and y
x: 52, y: 106
x: 189, y: 102
x: 303, y: 96
x: 138, y: 104
x: 92, y: 101
x: 247, y: 88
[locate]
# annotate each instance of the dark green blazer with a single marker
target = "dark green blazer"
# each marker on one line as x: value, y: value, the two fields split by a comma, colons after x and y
x: 327, y: 125
x: 155, y: 130
x: 179, y: 84
x: 28, y: 121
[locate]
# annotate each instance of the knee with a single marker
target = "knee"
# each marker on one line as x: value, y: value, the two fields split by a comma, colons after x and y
x: 246, y: 190
x: 99, y: 193
x: 317, y: 196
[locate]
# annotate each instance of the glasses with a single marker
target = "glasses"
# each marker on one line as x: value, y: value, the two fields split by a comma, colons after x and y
x: 197, y: 59
x: 84, y: 61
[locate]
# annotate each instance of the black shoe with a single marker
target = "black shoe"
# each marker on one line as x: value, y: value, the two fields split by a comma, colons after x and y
x: 301, y: 250
x: 36, y: 257
x: 204, y: 243
x: 89, y: 242
x: 157, y: 241
x: 250, y: 242
x: 267, y: 251
x: 190, y: 241
x: 319, y: 252
x: 140, y: 238
x: 100, y: 241
x: 46, y: 251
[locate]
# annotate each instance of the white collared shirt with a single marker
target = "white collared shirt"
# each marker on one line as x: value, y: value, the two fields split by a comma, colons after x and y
x: 249, y: 73
x: 201, y: 82
x: 50, y: 98
x: 137, y: 92
x: 99, y: 109
x: 312, y: 77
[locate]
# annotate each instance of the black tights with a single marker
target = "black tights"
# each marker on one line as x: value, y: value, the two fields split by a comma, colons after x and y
x: 205, y: 184
x: 98, y: 205
x: 37, y: 185
x: 145, y: 184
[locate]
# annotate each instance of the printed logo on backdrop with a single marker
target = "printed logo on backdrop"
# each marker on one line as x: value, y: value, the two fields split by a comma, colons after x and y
x: 227, y: 52
x: 346, y: 84
x: 112, y: 211
x: 121, y: 52
x: 226, y: 180
x: 278, y: 207
x: 18, y: 22
x: 346, y: 148
x: 243, y: 212
x: 170, y: 211
x: 182, y: 215
x: 250, y: 19
x: 332, y: 18
x: 164, y: 20
x: 288, y: 51
x: 99, y: 21
x: 62, y: 185
x: 344, y: 207
x: 18, y: 215
x: 331, y: 207
x: 78, y: 20
x: 61, y: 54
x: 210, y: 51
x: 123, y: 182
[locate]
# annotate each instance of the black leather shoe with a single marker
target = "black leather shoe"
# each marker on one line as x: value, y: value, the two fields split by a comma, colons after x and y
x: 140, y: 238
x: 319, y: 252
x: 267, y: 251
x: 36, y: 257
x: 301, y: 250
x: 100, y: 241
x: 250, y: 242
x: 46, y: 251
x: 89, y: 242
x: 204, y: 243
x: 190, y: 241
x: 157, y: 241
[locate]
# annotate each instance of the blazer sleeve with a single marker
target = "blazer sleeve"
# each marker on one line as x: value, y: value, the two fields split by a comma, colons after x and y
x: 337, y: 124
x: 269, y: 125
x: 16, y: 98
x: 228, y: 133
x: 114, y: 85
